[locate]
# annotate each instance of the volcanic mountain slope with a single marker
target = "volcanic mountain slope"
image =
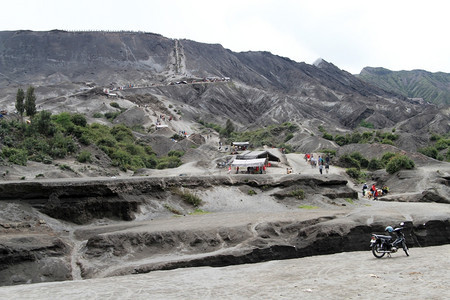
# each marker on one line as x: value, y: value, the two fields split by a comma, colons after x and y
x: 264, y: 88
x: 419, y: 84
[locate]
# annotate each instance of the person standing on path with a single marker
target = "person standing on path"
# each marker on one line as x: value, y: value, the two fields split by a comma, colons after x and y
x: 320, y: 168
x: 364, y: 188
x: 327, y: 168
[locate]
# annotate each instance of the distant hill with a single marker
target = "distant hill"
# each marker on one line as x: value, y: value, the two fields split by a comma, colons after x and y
x: 431, y: 87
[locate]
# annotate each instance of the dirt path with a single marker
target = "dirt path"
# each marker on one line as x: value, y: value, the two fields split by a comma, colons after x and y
x: 355, y: 275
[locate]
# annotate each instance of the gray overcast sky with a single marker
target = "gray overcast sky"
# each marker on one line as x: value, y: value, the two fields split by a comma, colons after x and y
x: 352, y: 34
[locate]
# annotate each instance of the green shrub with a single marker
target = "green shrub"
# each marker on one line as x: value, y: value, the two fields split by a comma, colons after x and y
x: 65, y: 167
x: 168, y: 162
x: 340, y: 140
x: 42, y: 123
x: 115, y: 105
x: 429, y: 151
x: 387, y: 157
x: 15, y: 156
x: 289, y: 136
x: 41, y: 157
x: 375, y: 164
x: 355, y: 138
x: 298, y: 193
x: 63, y: 121
x: 84, y: 156
x: 353, y: 173
x: 398, y: 163
x: 97, y: 115
x: 442, y: 144
x: 122, y: 133
x: 347, y: 161
x: 328, y: 151
x: 112, y: 115
x: 251, y: 192
x: 172, y: 210
x: 366, y: 124
x: 61, y: 145
x: 189, y: 197
x: 79, y: 120
x: 327, y: 136
x: 176, y: 153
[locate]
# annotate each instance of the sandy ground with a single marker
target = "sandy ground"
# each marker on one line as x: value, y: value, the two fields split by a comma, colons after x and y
x: 425, y: 274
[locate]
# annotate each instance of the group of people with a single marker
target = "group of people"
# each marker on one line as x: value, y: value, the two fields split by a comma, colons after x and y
x: 373, y: 191
x: 324, y: 163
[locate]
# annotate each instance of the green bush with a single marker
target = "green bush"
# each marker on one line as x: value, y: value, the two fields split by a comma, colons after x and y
x: 340, y: 140
x: 176, y: 153
x: 15, y: 156
x: 289, y: 136
x: 112, y: 115
x: 429, y: 151
x: 188, y: 197
x: 79, y: 120
x: 366, y: 124
x: 375, y: 164
x: 251, y: 192
x: 97, y: 115
x: 354, y: 173
x: 42, y: 123
x: 328, y: 151
x: 115, y: 105
x: 298, y: 193
x: 398, y: 163
x: 327, y: 136
x: 347, y: 161
x: 84, y: 156
x: 387, y: 157
x: 442, y: 144
x: 168, y: 162
x: 61, y: 145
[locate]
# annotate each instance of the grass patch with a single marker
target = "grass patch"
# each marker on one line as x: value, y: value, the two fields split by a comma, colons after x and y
x: 251, y: 192
x: 188, y: 197
x: 199, y: 211
x: 172, y: 210
x: 308, y: 207
x: 349, y: 200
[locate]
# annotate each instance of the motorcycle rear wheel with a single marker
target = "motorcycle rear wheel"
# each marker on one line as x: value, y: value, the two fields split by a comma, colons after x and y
x: 405, y: 248
x: 376, y: 248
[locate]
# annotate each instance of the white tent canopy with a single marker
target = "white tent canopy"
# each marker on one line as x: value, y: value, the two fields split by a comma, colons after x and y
x: 240, y: 143
x: 258, y: 162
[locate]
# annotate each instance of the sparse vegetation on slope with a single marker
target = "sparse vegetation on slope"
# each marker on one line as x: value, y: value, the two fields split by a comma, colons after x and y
x: 51, y: 137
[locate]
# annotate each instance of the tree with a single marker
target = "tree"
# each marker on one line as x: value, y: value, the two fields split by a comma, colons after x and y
x: 229, y: 127
x: 30, y: 102
x: 19, y: 102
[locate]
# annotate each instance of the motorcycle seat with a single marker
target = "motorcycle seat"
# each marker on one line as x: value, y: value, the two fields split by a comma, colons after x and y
x: 386, y: 237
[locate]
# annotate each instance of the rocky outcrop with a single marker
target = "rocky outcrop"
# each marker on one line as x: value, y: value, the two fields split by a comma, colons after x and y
x: 83, y: 201
x: 31, y: 258
x: 242, y: 244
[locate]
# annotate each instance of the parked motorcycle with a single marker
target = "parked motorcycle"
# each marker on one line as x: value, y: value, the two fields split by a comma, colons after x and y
x: 382, y: 244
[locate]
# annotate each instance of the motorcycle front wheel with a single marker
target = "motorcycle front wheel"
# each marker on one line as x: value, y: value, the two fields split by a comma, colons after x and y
x: 405, y: 248
x: 376, y: 248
